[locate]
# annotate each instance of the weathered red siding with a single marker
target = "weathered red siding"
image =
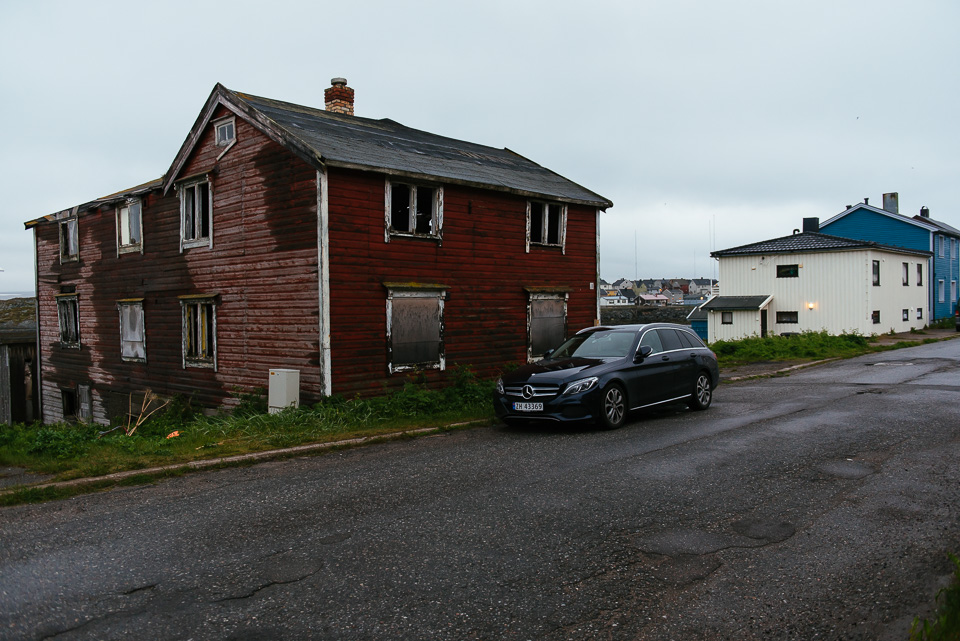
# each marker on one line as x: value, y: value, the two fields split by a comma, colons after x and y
x: 263, y: 266
x: 482, y: 260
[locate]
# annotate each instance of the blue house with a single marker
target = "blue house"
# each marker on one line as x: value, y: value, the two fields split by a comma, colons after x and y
x: 889, y: 227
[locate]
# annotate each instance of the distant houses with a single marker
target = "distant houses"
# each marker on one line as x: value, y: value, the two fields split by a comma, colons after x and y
x: 655, y: 292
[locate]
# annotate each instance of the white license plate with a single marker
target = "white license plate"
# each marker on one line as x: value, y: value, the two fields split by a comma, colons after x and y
x: 528, y: 407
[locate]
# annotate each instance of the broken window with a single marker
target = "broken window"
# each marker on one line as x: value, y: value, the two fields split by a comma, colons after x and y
x: 68, y: 401
x: 225, y: 129
x: 414, y: 210
x: 546, y: 224
x: 788, y: 271
x: 196, y: 214
x: 68, y: 319
x: 415, y: 329
x: 69, y: 243
x: 547, y: 323
x: 128, y: 226
x: 788, y: 317
x: 133, y: 338
x: 199, y: 331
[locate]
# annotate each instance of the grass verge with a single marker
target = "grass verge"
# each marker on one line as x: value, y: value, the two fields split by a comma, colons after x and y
x: 180, y: 434
x: 945, y: 625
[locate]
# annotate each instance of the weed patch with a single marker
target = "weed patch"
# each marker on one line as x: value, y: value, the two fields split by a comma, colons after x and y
x: 945, y: 625
x: 805, y: 346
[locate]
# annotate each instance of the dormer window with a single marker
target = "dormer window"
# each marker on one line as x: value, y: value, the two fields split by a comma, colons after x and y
x: 226, y: 131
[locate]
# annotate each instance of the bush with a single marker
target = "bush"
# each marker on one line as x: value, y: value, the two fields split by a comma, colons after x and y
x: 946, y: 625
x: 61, y: 441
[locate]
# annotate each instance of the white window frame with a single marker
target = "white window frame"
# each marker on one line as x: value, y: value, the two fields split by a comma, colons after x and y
x: 69, y: 239
x: 875, y: 273
x: 953, y: 291
x: 225, y: 131
x: 130, y: 217
x: 128, y: 345
x: 68, y: 310
x: 941, y: 291
x: 536, y: 296
x: 189, y: 192
x: 436, y: 211
x: 953, y: 248
x: 940, y: 249
x: 204, y: 307
x: 545, y: 225
x: 397, y: 292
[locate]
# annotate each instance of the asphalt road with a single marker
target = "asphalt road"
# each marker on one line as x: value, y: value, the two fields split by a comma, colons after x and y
x: 820, y: 505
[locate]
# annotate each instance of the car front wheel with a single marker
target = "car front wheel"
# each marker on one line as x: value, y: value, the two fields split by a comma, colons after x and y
x: 702, y: 393
x: 614, y: 408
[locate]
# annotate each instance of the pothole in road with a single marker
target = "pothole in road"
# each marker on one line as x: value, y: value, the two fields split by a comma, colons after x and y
x: 768, y: 531
x: 678, y: 542
x: 846, y: 469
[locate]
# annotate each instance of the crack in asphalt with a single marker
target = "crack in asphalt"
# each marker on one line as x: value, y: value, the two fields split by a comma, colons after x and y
x: 252, y: 593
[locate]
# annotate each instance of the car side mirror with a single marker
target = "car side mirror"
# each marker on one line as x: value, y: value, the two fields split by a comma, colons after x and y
x: 645, y: 350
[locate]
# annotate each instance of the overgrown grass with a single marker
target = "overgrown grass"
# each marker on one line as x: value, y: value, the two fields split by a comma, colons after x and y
x: 805, y: 346
x: 945, y: 625
x: 180, y: 433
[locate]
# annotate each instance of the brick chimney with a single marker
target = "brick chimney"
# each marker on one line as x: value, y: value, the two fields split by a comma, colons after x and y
x: 339, y: 97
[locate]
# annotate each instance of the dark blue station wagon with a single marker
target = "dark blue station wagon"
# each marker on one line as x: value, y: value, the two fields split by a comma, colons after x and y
x: 602, y: 373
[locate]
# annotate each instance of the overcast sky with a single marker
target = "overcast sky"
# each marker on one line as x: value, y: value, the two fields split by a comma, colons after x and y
x: 708, y: 124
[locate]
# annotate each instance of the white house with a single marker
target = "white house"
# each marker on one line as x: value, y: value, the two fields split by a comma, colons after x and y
x: 814, y: 282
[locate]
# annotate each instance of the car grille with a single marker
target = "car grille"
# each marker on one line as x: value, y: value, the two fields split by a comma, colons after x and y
x: 539, y: 391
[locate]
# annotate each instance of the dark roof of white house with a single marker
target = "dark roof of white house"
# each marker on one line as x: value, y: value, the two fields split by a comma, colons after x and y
x: 325, y: 138
x: 808, y: 242
x: 736, y: 302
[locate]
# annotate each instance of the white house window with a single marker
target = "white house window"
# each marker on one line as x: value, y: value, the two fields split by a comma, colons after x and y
x: 919, y: 273
x: 905, y: 315
x: 546, y: 224
x: 726, y: 318
x: 69, y: 320
x: 876, y: 273
x: 788, y: 271
x: 919, y: 313
x: 788, y: 317
x: 875, y: 316
x: 133, y: 338
x: 69, y: 242
x: 413, y: 210
x: 196, y: 214
x: 415, y: 328
x: 199, y: 331
x: 906, y: 274
x: 546, y: 323
x: 225, y: 131
x: 129, y: 226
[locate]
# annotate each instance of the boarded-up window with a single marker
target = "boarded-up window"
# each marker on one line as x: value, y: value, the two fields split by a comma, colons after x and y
x: 547, y: 319
x: 415, y: 321
x: 84, y: 403
x: 69, y: 321
x: 133, y: 344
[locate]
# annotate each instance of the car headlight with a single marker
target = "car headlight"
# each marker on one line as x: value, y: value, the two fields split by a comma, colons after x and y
x: 582, y: 385
x: 499, y: 386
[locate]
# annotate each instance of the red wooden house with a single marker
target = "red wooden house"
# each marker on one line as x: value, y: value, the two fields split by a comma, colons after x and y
x: 353, y: 250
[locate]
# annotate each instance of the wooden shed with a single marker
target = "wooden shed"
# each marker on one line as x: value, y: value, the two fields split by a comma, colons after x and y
x: 355, y: 251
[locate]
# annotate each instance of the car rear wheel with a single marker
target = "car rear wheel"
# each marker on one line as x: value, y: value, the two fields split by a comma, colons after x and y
x: 702, y: 393
x: 614, y: 407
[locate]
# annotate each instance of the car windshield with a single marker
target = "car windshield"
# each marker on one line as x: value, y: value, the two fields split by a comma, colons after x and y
x: 602, y: 344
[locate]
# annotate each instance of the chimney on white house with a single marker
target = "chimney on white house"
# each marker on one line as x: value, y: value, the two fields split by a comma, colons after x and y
x: 891, y: 202
x: 339, y: 97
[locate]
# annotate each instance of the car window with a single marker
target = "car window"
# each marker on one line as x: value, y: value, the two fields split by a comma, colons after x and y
x: 669, y: 339
x: 688, y: 339
x: 652, y: 339
x: 602, y: 344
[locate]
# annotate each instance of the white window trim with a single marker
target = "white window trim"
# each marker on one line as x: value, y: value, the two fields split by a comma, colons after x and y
x: 204, y: 241
x: 131, y: 248
x: 940, y: 248
x: 185, y: 302
x: 953, y: 291
x: 941, y: 291
x: 436, y: 211
x: 133, y: 302
x: 563, y: 226
x: 76, y: 301
x: 436, y: 292
x: 564, y: 296
x: 64, y: 257
x: 224, y: 142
